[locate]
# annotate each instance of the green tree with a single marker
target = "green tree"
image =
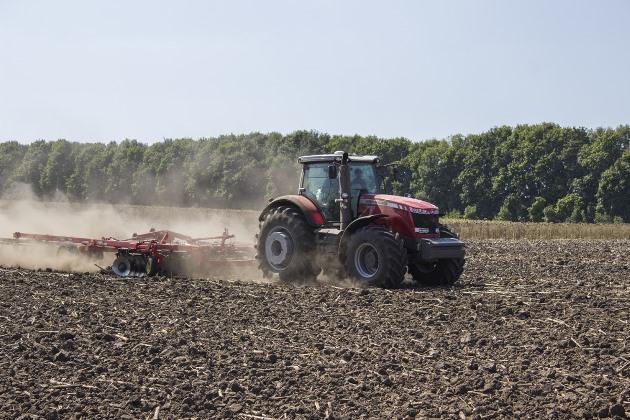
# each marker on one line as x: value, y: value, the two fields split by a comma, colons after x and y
x: 551, y: 215
x: 512, y: 209
x: 606, y: 147
x: 570, y: 208
x: 59, y: 167
x: 478, y: 168
x: 126, y: 158
x: 32, y: 165
x: 536, y: 210
x: 527, y: 172
x: 538, y: 161
x: 613, y: 194
x: 11, y: 155
x: 434, y: 168
x: 470, y: 212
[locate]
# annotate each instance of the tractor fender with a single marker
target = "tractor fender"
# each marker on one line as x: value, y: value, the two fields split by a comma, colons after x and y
x: 355, y: 225
x: 311, y: 212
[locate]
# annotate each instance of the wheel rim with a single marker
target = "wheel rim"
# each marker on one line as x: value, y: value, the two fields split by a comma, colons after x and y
x: 279, y: 249
x: 366, y: 260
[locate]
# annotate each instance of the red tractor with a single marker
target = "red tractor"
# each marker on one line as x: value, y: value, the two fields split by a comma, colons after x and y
x: 339, y: 221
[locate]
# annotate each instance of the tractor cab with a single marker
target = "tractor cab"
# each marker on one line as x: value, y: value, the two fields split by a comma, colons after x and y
x: 320, y: 181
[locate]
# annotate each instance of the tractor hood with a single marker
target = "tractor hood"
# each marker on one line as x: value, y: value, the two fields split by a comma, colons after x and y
x: 403, y: 203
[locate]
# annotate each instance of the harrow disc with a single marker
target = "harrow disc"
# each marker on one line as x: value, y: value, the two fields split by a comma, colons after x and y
x: 122, y: 266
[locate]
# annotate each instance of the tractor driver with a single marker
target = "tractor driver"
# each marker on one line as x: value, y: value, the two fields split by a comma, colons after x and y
x: 358, y: 182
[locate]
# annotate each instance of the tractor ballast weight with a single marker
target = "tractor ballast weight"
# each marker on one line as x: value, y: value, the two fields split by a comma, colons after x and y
x: 341, y: 222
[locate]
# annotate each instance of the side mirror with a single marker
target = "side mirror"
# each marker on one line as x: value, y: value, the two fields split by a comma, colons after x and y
x: 332, y: 172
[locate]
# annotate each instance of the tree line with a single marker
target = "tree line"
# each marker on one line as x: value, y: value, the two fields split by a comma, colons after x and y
x: 540, y: 172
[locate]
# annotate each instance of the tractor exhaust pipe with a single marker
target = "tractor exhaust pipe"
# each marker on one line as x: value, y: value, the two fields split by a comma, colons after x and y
x: 345, y: 193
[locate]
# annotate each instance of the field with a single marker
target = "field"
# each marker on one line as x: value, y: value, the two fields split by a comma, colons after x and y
x: 535, y: 328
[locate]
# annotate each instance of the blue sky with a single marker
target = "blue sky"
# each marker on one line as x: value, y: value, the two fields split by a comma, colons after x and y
x: 109, y: 70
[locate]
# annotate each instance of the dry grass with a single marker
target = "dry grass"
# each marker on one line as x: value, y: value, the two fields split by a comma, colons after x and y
x: 483, y: 229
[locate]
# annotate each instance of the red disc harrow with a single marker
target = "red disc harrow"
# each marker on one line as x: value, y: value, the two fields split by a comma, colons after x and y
x: 156, y: 252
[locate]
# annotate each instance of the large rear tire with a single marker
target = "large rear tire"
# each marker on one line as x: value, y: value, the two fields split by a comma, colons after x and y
x: 376, y: 257
x: 442, y: 272
x: 286, y: 245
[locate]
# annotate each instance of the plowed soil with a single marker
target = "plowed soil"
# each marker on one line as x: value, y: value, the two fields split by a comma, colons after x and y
x: 534, y: 329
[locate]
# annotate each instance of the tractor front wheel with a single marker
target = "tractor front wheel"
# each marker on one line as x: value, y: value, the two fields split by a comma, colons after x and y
x: 286, y: 245
x: 440, y: 273
x: 376, y: 257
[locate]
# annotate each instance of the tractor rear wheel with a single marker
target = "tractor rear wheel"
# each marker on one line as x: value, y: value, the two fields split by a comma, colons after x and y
x: 286, y: 245
x: 376, y: 257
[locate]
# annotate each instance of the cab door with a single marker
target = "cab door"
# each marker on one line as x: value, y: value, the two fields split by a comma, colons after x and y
x: 321, y: 189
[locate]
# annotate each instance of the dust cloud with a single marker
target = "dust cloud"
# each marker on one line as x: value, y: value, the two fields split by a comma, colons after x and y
x: 28, y: 215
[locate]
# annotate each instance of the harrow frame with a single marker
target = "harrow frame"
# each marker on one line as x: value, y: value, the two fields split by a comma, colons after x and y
x: 155, y: 252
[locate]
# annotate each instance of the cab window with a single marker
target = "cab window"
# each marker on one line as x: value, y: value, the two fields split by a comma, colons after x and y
x: 363, y: 179
x: 321, y: 189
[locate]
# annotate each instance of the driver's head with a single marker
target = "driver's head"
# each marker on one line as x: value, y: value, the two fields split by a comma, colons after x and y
x: 358, y: 173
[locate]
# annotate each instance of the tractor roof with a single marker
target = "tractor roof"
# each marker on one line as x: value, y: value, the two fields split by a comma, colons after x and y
x: 336, y: 157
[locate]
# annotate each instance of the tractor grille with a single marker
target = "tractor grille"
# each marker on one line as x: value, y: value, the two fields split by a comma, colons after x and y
x: 425, y: 223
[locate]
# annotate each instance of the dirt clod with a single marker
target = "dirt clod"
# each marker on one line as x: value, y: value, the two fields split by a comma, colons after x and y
x: 618, y: 410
